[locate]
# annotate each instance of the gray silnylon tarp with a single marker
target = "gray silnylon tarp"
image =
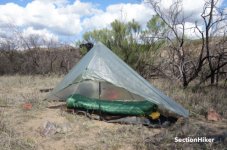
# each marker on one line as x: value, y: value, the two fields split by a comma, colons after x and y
x: 101, y: 64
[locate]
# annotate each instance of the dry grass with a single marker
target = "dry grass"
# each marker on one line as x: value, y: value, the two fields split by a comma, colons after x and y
x: 9, y: 138
x: 196, y: 99
x: 20, y: 129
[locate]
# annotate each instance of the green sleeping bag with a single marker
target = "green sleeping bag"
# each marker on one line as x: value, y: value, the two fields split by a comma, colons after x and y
x: 116, y: 107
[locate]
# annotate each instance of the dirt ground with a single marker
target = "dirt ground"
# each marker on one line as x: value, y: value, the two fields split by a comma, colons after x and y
x: 76, y: 132
x: 27, y: 129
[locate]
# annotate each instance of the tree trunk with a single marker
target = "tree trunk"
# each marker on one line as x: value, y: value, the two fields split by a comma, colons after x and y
x: 185, y: 82
x: 212, y: 78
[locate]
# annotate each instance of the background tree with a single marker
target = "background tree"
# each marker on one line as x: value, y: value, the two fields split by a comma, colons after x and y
x: 153, y: 41
x: 214, y: 39
x: 122, y: 38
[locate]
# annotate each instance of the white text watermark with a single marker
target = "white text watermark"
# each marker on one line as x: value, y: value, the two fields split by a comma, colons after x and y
x: 194, y: 140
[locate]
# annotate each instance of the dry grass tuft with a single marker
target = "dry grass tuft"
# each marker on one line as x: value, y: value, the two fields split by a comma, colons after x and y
x: 10, y: 139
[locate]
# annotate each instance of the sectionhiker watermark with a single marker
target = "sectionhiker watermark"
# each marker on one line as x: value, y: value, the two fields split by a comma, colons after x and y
x: 193, y: 140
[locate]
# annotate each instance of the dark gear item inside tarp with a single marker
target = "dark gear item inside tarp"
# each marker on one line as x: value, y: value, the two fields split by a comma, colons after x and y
x: 161, y: 122
x: 116, y: 107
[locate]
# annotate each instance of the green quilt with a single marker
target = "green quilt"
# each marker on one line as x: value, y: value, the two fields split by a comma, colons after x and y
x: 113, y: 107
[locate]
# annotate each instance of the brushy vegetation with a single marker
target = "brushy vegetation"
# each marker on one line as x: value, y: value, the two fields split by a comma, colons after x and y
x: 20, y: 129
x: 57, y: 60
x: 196, y: 98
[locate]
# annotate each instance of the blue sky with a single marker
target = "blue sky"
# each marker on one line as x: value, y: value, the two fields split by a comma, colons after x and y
x: 224, y: 4
x: 102, y: 4
x: 67, y: 20
x: 19, y: 2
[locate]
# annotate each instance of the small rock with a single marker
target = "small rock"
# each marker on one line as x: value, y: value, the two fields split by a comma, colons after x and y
x: 166, y: 124
x: 64, y: 128
x: 48, y: 129
x: 27, y: 106
x: 212, y: 115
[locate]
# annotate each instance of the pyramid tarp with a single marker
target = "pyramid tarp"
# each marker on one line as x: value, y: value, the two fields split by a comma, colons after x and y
x: 101, y: 64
